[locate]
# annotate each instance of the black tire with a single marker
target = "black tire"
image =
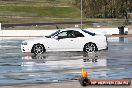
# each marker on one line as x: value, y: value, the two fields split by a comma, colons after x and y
x: 38, y: 49
x: 85, y: 82
x: 90, y: 47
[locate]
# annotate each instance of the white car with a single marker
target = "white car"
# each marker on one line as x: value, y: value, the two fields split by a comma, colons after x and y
x: 69, y: 39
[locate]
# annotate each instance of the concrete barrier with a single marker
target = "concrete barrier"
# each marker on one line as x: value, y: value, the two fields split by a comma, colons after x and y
x: 25, y: 33
x: 32, y: 33
x: 106, y: 31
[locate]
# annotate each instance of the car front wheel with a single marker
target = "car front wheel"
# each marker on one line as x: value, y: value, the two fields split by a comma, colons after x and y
x: 38, y: 49
x: 90, y: 47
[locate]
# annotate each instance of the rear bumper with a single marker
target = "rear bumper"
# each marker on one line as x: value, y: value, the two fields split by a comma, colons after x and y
x: 106, y: 48
x: 103, y: 46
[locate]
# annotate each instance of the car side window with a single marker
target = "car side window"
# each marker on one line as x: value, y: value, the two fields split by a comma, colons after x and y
x: 66, y: 34
x: 78, y: 34
x: 70, y: 34
x: 62, y: 35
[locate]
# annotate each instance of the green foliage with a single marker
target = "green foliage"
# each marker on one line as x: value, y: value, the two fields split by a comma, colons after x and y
x: 39, y: 8
x: 61, y: 12
x: 105, y: 8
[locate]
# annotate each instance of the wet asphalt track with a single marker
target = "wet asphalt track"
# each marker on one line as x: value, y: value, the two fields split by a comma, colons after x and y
x: 15, y: 67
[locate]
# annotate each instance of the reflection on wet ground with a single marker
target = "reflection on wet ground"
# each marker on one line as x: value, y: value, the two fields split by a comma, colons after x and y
x: 15, y: 67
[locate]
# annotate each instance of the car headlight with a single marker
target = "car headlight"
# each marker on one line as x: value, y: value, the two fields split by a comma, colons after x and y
x: 24, y: 43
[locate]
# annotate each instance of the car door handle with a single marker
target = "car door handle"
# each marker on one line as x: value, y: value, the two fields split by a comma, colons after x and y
x: 71, y: 40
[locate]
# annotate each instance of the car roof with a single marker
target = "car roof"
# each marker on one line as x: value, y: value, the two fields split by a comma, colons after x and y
x: 70, y: 29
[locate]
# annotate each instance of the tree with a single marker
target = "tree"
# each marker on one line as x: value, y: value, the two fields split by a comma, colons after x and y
x: 105, y: 8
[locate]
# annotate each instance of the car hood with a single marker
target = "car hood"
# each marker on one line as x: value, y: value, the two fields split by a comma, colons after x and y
x: 35, y: 40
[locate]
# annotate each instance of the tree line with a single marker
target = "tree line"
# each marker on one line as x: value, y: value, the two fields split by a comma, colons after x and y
x: 105, y: 8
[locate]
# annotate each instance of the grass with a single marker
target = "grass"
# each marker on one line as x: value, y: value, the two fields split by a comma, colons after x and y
x: 54, y: 12
x: 37, y: 2
x: 14, y: 11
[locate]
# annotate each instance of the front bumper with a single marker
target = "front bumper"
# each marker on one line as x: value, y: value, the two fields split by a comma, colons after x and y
x: 25, y: 48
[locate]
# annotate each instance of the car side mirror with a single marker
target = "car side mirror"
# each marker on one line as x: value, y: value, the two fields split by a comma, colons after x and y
x: 56, y: 37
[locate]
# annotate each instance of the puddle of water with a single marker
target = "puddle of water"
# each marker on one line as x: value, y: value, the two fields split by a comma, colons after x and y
x: 48, y: 64
x: 118, y: 39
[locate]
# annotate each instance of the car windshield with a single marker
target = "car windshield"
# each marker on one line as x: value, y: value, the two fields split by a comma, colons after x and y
x: 53, y: 34
x: 90, y: 33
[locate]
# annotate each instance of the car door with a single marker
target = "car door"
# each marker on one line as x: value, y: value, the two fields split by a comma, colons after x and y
x: 79, y: 40
x: 58, y: 42
x: 69, y: 41
x: 64, y: 42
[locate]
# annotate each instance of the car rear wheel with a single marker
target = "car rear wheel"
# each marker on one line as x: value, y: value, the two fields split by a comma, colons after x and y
x: 90, y: 47
x: 38, y: 49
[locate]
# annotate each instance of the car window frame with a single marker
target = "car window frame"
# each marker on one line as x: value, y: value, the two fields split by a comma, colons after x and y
x: 67, y: 35
x: 78, y: 32
x: 88, y: 32
x: 53, y: 34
